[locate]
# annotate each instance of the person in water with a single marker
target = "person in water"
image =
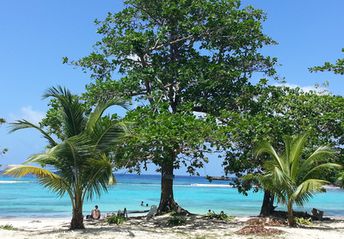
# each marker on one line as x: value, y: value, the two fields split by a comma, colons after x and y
x: 95, y: 213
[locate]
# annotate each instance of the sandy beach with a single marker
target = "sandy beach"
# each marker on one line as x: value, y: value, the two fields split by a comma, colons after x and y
x: 197, y: 227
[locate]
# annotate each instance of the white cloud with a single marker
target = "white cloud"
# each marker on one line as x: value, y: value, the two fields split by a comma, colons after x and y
x: 27, y: 113
x: 319, y: 89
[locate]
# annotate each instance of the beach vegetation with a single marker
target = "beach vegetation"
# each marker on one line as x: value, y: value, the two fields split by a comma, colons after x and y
x: 292, y: 176
x: 219, y: 216
x: 176, y: 219
x: 116, y: 219
x: 179, y: 59
x: 8, y: 227
x: 76, y: 163
x: 303, y: 221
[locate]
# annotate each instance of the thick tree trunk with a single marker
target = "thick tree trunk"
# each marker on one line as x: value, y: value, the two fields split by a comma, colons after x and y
x: 267, y: 205
x: 77, y: 219
x: 167, y: 202
x: 291, y: 220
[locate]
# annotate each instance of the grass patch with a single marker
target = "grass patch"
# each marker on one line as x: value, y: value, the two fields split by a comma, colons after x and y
x: 8, y: 227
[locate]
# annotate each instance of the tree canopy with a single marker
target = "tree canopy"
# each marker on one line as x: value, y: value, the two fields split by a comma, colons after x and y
x: 176, y: 57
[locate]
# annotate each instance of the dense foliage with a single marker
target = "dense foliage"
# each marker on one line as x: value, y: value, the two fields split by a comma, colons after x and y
x: 269, y: 113
x: 176, y: 57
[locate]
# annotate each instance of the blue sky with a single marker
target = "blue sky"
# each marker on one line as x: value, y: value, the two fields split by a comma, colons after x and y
x: 36, y: 34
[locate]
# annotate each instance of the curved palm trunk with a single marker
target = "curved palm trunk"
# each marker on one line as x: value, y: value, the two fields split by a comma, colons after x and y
x: 267, y: 205
x: 167, y: 202
x: 291, y: 220
x: 77, y: 218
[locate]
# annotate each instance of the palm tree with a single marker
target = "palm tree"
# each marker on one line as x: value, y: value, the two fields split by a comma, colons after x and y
x: 292, y: 177
x: 77, y: 164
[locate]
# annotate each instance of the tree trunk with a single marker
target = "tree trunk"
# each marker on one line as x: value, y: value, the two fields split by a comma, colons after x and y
x: 77, y: 219
x: 267, y: 205
x: 291, y: 220
x: 167, y: 202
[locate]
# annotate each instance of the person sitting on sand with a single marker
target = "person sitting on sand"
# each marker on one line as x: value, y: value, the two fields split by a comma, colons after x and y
x: 95, y: 213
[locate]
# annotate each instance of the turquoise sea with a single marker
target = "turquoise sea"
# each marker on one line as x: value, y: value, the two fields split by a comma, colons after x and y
x: 26, y: 198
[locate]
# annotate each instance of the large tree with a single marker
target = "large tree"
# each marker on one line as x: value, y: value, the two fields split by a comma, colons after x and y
x: 78, y: 162
x: 270, y: 112
x: 177, y: 57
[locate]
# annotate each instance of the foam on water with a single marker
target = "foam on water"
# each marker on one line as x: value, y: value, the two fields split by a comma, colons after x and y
x: 12, y: 182
x: 211, y: 185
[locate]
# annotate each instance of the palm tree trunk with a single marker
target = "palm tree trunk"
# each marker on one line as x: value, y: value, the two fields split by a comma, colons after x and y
x: 77, y: 218
x: 267, y: 205
x: 291, y: 220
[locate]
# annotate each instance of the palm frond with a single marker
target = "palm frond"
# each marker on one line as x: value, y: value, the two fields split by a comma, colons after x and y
x: 106, y: 133
x: 99, y: 110
x: 318, y: 170
x: 24, y: 124
x: 321, y: 154
x: 296, y: 150
x: 267, y: 148
x: 23, y: 170
x: 57, y: 185
x: 306, y: 189
x: 73, y: 113
x: 97, y: 177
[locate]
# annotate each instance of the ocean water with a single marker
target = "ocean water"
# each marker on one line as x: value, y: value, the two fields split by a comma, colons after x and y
x: 26, y: 198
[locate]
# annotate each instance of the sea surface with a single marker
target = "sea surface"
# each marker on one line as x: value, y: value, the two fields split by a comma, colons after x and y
x: 25, y: 197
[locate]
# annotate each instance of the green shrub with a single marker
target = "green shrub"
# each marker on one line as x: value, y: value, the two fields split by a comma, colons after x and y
x: 176, y: 219
x: 8, y: 227
x: 221, y: 216
x: 303, y: 221
x: 116, y: 219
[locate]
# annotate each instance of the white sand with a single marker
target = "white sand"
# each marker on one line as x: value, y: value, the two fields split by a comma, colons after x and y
x: 156, y: 229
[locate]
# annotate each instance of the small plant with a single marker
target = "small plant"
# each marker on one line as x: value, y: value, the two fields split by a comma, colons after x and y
x: 221, y: 216
x: 116, y: 219
x: 303, y: 221
x: 176, y: 219
x: 8, y: 227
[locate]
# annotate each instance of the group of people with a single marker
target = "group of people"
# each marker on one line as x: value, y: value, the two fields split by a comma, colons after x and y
x: 95, y: 213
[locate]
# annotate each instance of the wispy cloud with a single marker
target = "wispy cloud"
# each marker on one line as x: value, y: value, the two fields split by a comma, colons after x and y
x: 315, y: 88
x: 27, y: 113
